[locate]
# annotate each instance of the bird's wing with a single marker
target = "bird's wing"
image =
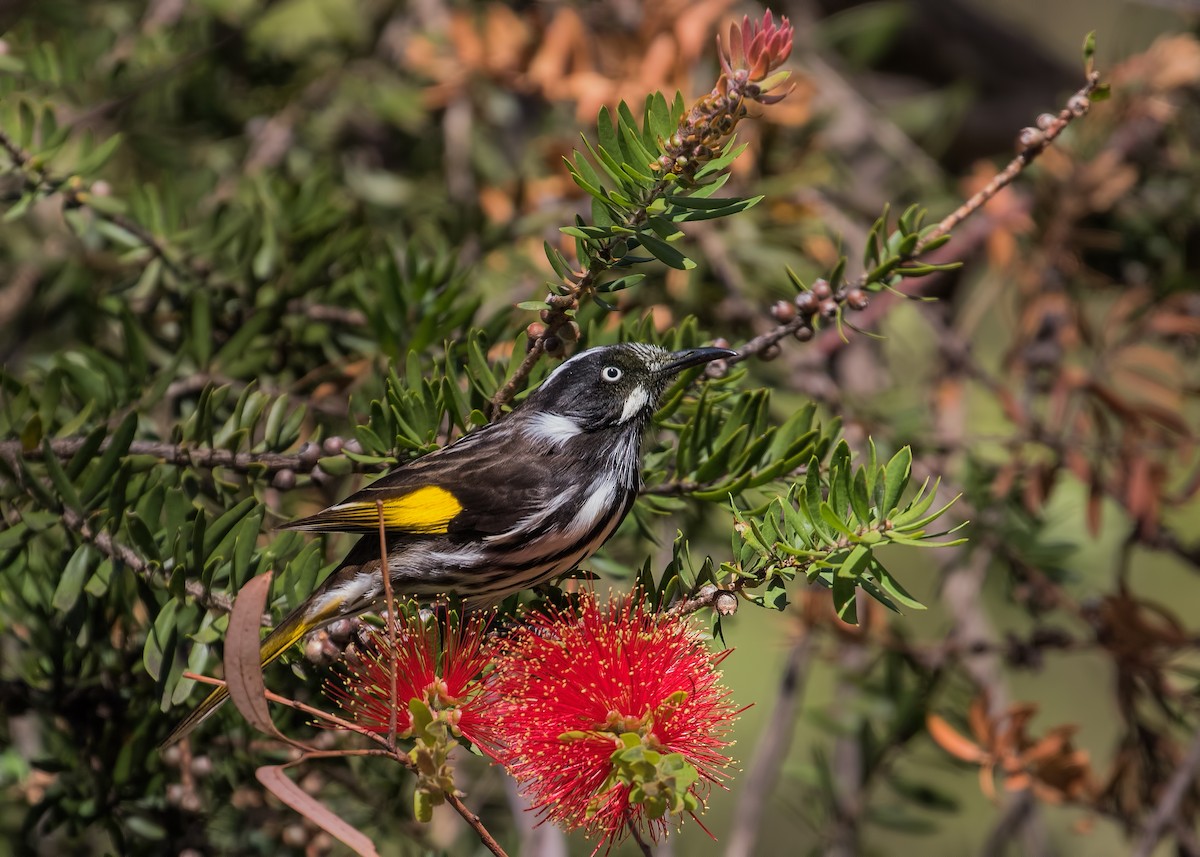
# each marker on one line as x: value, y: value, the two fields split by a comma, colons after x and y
x: 478, y: 486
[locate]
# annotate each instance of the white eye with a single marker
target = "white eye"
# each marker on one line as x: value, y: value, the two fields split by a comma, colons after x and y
x: 611, y: 374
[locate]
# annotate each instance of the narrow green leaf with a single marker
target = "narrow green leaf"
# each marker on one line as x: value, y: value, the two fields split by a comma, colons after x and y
x: 664, y: 252
x: 844, y: 594
x: 58, y: 477
x: 106, y: 466
x: 895, y: 480
x: 223, y: 526
x: 98, y: 157
x: 860, y: 498
x: 855, y: 562
x: 70, y: 585
x: 892, y: 587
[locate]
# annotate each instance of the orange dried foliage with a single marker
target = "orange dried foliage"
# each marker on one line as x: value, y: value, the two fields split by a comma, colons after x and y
x: 1050, y: 766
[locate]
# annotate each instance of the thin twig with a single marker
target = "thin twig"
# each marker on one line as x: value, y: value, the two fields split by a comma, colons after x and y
x: 637, y: 837
x: 1172, y: 798
x: 125, y: 555
x: 471, y: 818
x: 393, y: 656
x: 188, y: 456
x: 76, y: 195
x: 1001, y: 180
x: 505, y: 393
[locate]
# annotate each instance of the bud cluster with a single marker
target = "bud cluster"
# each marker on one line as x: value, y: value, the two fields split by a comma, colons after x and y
x: 818, y: 301
x: 748, y: 64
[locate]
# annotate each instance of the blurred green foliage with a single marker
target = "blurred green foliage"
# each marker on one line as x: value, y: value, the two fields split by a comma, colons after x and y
x: 236, y: 228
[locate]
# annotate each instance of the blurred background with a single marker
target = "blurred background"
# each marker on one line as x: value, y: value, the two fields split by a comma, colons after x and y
x: 192, y: 162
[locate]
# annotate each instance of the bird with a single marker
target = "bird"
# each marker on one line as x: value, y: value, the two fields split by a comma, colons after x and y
x: 504, y: 508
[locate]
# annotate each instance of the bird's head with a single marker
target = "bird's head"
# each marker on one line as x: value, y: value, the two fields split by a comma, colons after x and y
x: 607, y: 387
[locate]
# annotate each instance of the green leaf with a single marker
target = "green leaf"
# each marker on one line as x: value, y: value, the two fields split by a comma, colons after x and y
x: 606, y: 133
x: 70, y: 585
x: 98, y: 157
x: 844, y: 594
x: 1089, y: 49
x: 854, y: 564
x: 658, y: 116
x: 220, y: 528
x: 895, y: 480
x: 638, y: 156
x: 664, y: 252
x: 893, y: 588
x: 860, y: 498
x: 620, y: 284
x: 62, y: 483
x: 106, y: 466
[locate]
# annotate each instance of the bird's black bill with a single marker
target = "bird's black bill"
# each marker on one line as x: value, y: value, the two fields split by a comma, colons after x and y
x: 681, y: 360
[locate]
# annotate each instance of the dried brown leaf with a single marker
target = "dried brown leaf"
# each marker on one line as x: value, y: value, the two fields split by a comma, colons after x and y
x: 952, y: 741
x: 243, y: 668
x: 279, y: 784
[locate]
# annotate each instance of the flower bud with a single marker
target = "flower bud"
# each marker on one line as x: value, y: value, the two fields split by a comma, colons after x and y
x: 803, y: 334
x: 309, y: 454
x: 829, y: 308
x: 1030, y: 138
x: 332, y: 445
x: 285, y: 479
x: 769, y: 353
x: 783, y: 311
x: 725, y: 603
x: 821, y: 290
x: 857, y: 299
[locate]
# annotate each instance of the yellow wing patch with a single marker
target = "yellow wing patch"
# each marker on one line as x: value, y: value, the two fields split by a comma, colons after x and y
x: 426, y: 510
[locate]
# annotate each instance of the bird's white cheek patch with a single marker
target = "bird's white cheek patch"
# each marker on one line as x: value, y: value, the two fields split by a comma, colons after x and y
x: 552, y: 428
x: 637, y: 401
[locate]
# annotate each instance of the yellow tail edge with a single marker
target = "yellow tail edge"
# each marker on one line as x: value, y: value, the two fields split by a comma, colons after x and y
x: 281, y: 638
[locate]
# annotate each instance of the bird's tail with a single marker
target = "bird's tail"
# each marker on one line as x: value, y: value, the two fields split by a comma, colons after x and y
x: 298, y: 623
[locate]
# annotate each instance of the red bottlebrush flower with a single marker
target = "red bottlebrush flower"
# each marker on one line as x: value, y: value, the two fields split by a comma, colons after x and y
x: 613, y: 717
x: 440, y: 668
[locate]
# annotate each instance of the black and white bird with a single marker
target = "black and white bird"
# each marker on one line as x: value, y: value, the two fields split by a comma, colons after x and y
x: 506, y: 507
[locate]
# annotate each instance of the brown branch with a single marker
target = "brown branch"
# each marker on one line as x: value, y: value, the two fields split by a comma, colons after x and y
x: 637, y: 837
x: 723, y: 601
x: 476, y: 824
x: 1167, y: 810
x: 76, y: 195
x: 327, y: 312
x: 74, y: 521
x: 504, y: 394
x: 1038, y: 142
x: 187, y: 456
x: 125, y: 555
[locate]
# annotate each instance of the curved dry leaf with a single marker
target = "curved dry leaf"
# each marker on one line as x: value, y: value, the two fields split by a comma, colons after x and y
x: 953, y: 742
x: 277, y: 783
x: 243, y: 666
